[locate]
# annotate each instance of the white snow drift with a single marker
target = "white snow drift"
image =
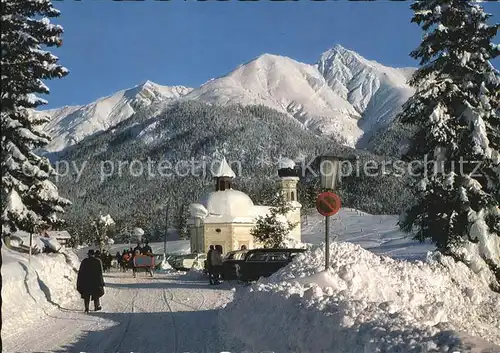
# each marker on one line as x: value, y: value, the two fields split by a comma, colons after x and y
x: 365, y: 303
x: 30, y: 291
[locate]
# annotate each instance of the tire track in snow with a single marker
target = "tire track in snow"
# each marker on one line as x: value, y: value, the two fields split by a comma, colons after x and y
x: 174, y: 299
x: 127, y: 325
x: 169, y: 307
x: 118, y: 305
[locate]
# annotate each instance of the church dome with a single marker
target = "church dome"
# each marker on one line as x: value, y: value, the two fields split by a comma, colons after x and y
x: 228, y: 203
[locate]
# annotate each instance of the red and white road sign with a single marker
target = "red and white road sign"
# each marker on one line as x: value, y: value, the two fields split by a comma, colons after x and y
x: 328, y: 203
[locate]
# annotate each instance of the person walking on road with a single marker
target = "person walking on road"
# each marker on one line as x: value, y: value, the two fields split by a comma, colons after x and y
x: 118, y: 258
x: 216, y: 262
x: 90, y: 281
x: 209, y: 264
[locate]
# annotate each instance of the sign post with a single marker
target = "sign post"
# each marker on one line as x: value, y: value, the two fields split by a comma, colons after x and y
x: 327, y: 204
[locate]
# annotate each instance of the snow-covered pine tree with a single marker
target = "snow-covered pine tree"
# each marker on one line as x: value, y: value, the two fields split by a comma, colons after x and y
x: 271, y: 230
x: 456, y: 111
x: 29, y: 198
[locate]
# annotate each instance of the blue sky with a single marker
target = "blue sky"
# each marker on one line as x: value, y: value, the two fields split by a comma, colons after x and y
x: 110, y: 45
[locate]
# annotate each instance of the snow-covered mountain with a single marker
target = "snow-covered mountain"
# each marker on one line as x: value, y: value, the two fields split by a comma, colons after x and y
x: 343, y: 95
x: 290, y: 87
x: 377, y: 92
x: 71, y: 124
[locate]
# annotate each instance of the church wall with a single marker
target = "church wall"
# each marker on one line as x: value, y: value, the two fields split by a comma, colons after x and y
x: 231, y: 236
x: 294, y: 217
x: 242, y: 236
x: 196, y: 238
x: 213, y: 237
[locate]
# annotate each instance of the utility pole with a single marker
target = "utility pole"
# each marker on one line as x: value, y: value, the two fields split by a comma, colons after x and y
x: 98, y: 236
x: 166, y: 231
x: 31, y: 246
x: 327, y: 242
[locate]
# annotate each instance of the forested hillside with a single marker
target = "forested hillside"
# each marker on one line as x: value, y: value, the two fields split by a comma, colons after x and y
x: 255, y: 136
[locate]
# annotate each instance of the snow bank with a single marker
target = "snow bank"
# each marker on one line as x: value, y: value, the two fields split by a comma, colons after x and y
x: 165, y: 267
x: 364, y: 303
x: 51, y: 243
x: 30, y: 291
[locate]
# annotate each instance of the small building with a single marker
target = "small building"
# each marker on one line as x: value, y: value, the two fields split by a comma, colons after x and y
x: 62, y: 236
x: 225, y: 216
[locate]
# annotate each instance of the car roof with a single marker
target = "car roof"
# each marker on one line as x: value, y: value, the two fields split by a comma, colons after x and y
x: 276, y: 250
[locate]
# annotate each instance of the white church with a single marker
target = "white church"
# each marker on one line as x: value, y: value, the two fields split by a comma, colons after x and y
x: 225, y: 216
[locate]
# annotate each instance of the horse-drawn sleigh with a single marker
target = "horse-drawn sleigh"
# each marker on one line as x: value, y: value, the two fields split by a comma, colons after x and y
x: 144, y: 263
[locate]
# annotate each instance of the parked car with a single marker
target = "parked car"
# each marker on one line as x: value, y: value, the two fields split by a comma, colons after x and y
x: 264, y: 262
x: 186, y: 262
x: 229, y: 263
x: 171, y: 258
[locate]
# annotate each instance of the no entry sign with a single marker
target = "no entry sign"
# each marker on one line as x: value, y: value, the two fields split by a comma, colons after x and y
x: 328, y: 203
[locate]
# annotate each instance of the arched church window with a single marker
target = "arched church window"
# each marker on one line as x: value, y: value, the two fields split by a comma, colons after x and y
x: 292, y: 198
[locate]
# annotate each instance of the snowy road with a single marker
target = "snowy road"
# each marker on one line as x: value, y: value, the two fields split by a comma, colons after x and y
x: 168, y: 313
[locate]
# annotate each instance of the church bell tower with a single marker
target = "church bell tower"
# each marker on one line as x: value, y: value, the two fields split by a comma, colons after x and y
x: 288, y: 179
x: 224, y: 176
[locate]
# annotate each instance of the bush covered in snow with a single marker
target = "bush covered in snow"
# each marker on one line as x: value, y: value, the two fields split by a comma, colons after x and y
x: 364, y: 303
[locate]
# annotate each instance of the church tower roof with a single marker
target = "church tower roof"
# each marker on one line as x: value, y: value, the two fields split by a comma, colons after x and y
x: 224, y: 170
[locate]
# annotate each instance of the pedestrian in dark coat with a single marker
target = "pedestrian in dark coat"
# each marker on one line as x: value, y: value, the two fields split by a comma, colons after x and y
x: 210, y: 270
x: 118, y: 258
x: 90, y: 282
x: 146, y: 250
x: 216, y: 262
x: 137, y: 248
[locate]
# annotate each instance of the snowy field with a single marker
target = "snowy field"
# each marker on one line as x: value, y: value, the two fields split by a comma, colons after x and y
x: 379, y: 234
x: 366, y: 303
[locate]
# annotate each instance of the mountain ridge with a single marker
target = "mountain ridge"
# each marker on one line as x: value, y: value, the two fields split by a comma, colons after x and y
x: 71, y: 124
x: 343, y: 95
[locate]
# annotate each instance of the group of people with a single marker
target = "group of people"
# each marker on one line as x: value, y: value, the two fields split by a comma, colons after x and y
x: 106, y: 259
x: 126, y: 258
x: 90, y: 281
x: 214, y: 264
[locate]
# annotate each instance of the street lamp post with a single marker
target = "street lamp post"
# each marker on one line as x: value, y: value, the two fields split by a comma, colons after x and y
x: 329, y: 171
x: 31, y: 247
x: 197, y: 222
x: 166, y: 231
